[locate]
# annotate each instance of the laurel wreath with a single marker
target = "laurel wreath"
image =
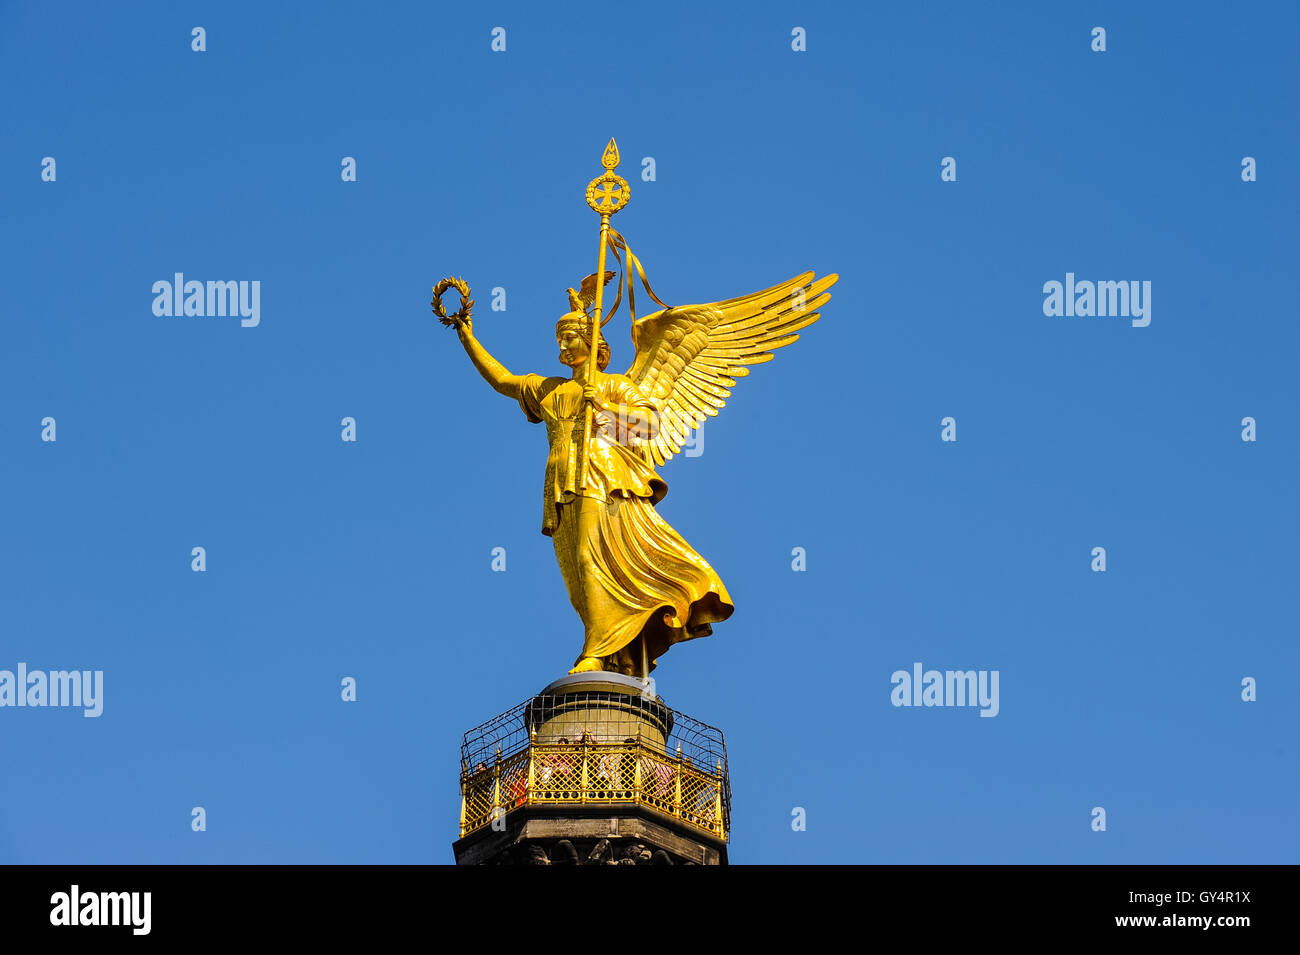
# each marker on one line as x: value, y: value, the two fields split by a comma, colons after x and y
x: 466, y: 303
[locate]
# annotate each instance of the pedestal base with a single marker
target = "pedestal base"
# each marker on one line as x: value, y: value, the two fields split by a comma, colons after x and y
x: 594, y: 770
x: 562, y: 836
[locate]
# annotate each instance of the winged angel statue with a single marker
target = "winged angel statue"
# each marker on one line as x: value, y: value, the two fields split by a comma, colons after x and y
x: 635, y: 582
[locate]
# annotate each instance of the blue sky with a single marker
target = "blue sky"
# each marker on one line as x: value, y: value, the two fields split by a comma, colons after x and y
x: 372, y: 560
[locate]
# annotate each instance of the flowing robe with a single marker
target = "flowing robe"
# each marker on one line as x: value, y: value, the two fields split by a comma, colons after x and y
x: 628, y: 573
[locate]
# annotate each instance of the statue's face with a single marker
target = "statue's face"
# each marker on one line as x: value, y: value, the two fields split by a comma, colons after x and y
x: 573, y: 350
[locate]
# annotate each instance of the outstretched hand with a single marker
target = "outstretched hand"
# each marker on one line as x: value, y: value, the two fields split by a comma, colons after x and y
x: 464, y: 326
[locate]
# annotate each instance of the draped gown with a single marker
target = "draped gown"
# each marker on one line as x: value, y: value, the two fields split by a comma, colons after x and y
x: 628, y: 573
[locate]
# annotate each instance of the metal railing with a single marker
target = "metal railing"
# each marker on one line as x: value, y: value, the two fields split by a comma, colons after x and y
x: 597, y: 774
x: 638, y: 751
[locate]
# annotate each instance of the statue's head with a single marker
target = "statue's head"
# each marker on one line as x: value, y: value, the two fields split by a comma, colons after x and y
x: 573, y: 335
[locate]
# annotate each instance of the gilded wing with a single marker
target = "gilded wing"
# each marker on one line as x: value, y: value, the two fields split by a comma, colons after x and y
x: 587, y: 291
x: 688, y: 357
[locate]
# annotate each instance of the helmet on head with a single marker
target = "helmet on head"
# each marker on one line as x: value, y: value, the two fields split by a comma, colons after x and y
x: 581, y: 323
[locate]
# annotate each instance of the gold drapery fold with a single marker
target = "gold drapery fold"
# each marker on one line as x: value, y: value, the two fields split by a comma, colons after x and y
x: 629, y: 573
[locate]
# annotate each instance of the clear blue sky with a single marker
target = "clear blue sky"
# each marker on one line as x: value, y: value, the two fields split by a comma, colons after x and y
x: 372, y: 559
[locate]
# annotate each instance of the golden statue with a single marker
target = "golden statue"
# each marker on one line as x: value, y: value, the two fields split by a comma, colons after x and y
x: 634, y: 581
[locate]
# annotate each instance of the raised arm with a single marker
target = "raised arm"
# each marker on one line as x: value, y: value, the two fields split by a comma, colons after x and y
x: 493, y: 372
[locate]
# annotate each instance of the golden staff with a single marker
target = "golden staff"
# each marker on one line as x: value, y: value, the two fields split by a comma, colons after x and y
x: 606, y: 194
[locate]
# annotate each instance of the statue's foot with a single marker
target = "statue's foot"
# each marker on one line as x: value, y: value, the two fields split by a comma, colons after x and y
x: 588, y: 665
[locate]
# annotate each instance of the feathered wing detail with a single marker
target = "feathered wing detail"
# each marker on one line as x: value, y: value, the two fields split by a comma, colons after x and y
x: 688, y: 357
x: 587, y: 291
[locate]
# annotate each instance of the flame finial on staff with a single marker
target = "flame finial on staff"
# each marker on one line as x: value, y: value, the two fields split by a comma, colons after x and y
x: 607, y: 194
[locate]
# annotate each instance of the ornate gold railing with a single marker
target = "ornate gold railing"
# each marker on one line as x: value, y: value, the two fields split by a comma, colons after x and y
x: 595, y: 774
